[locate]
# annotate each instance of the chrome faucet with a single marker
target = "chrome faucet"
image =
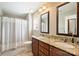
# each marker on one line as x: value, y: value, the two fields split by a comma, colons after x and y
x: 42, y: 34
x: 65, y: 40
x: 72, y: 40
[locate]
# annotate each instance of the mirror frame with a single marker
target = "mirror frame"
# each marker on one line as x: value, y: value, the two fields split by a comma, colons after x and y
x: 58, y: 20
x: 47, y: 24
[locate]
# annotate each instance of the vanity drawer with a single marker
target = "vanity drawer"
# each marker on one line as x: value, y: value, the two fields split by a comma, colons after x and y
x: 41, y: 54
x: 44, y: 45
x: 43, y: 50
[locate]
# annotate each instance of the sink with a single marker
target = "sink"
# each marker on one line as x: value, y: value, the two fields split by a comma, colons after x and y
x: 64, y: 45
x: 41, y: 37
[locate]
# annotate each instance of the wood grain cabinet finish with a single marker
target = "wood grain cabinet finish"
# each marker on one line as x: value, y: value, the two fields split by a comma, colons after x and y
x: 41, y: 54
x: 78, y: 18
x: 35, y: 47
x: 44, y: 45
x: 40, y: 48
x: 44, y: 48
x: 58, y: 52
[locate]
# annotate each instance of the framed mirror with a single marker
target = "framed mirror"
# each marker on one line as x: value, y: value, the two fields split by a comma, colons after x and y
x: 67, y: 19
x: 44, y: 23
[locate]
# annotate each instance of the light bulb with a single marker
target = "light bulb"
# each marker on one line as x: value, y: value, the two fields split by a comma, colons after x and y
x: 44, y: 7
x: 40, y: 10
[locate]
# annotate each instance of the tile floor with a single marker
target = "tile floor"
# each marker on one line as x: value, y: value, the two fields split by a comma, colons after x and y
x: 23, y: 51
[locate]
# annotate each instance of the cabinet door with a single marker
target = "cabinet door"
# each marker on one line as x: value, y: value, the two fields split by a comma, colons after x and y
x: 41, y: 53
x: 35, y: 47
x: 43, y: 49
x: 44, y: 45
x: 57, y: 52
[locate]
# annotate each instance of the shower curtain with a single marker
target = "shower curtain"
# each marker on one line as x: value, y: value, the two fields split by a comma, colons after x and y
x: 14, y: 32
x: 0, y: 36
x: 21, y: 32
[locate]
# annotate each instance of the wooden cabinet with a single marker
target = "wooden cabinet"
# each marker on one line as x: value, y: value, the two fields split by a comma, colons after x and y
x: 40, y: 48
x: 78, y: 19
x: 35, y: 47
x: 43, y: 49
x: 41, y: 54
x: 58, y: 52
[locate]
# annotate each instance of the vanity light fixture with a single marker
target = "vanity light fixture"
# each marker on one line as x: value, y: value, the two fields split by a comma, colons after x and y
x: 40, y: 10
x: 44, y: 7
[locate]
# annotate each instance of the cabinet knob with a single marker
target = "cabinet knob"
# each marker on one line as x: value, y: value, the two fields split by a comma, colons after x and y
x: 50, y: 49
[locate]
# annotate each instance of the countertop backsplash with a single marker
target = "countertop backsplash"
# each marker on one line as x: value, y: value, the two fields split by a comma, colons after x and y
x: 67, y: 39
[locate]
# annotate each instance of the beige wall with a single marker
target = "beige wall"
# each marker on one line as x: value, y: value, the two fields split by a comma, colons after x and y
x: 51, y: 7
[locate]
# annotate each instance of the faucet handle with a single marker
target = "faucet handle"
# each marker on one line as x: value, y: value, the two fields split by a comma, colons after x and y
x: 65, y: 40
x: 72, y: 40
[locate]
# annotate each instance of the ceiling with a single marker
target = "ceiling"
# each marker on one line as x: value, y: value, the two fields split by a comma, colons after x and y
x: 19, y: 8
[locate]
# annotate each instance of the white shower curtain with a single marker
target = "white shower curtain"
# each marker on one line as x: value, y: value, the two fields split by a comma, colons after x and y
x: 21, y: 32
x: 14, y: 32
x: 8, y: 33
x: 18, y: 32
x: 0, y: 36
x: 24, y: 31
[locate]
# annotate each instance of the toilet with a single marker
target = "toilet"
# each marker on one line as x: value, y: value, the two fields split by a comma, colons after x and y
x: 28, y: 45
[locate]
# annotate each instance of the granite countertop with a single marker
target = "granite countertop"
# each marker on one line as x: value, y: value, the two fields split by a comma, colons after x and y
x: 73, y: 50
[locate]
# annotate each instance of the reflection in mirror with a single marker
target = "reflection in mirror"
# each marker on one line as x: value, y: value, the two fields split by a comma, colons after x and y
x: 45, y: 23
x: 72, y: 26
x: 67, y: 18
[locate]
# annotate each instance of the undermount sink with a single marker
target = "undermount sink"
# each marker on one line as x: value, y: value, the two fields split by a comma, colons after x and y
x: 40, y: 37
x: 64, y: 45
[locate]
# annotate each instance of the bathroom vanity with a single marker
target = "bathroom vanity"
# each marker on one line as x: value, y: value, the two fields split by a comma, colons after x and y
x: 67, y: 25
x: 43, y: 47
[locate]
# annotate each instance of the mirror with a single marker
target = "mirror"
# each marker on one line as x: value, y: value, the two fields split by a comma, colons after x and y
x: 67, y: 19
x: 44, y: 23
